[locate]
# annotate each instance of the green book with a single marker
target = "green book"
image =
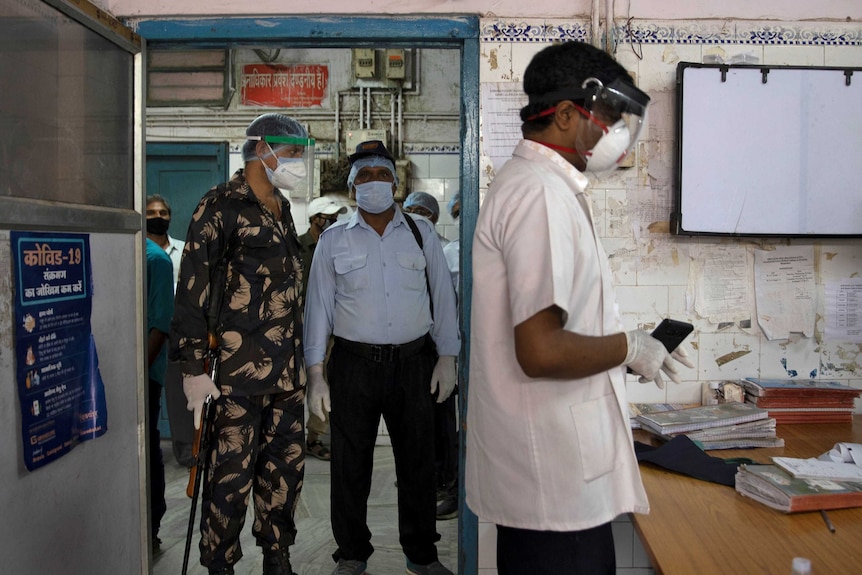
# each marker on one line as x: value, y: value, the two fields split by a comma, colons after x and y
x: 703, y: 417
x: 774, y: 487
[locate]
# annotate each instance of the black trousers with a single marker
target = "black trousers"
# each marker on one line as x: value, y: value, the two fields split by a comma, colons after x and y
x: 446, y: 443
x: 361, y: 391
x: 157, y: 464
x: 527, y: 552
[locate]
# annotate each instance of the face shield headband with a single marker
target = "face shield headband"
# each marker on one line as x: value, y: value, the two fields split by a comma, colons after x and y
x: 295, y: 163
x: 618, y: 109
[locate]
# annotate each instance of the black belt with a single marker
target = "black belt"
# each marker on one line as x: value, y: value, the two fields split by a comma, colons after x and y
x: 382, y: 353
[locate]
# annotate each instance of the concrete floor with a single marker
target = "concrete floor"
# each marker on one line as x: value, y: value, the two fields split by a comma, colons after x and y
x: 312, y: 553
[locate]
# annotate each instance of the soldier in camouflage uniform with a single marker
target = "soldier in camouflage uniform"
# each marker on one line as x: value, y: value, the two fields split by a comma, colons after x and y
x: 260, y: 388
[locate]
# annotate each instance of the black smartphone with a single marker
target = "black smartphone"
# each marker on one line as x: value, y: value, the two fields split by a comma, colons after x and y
x: 671, y: 333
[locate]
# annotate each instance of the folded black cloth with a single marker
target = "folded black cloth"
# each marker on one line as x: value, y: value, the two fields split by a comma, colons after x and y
x: 680, y: 454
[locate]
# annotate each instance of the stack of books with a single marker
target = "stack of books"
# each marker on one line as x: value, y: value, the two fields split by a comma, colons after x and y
x: 636, y: 409
x: 792, y: 485
x: 721, y: 426
x: 802, y: 400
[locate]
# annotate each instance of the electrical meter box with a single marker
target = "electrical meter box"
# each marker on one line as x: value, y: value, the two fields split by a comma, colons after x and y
x: 364, y: 63
x: 354, y: 137
x: 396, y: 67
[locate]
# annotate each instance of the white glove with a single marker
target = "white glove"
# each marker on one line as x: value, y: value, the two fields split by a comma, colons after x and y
x: 681, y: 355
x: 443, y: 377
x: 197, y: 388
x: 647, y: 357
x: 318, y: 392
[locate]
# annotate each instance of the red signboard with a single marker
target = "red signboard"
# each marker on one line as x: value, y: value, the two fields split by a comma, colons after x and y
x: 298, y: 86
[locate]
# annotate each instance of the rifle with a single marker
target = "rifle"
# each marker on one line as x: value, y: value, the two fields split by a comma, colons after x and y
x: 204, y: 433
x: 201, y: 449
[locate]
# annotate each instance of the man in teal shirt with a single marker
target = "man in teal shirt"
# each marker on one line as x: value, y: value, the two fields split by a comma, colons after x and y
x: 160, y: 310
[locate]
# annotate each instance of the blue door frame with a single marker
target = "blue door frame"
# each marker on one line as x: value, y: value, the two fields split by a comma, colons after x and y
x: 461, y: 32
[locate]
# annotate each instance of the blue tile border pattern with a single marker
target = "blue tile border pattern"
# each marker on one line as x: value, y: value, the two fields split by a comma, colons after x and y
x: 682, y: 32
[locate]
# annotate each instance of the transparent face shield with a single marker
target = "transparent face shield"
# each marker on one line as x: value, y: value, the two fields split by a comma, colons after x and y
x: 618, y: 113
x: 295, y: 169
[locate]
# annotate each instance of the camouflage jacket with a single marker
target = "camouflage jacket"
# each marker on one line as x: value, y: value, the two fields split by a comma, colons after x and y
x: 259, y: 324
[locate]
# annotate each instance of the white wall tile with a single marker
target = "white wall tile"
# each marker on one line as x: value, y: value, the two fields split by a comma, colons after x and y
x: 521, y: 56
x: 637, y: 392
x: 838, y: 260
x: 842, y: 56
x: 419, y: 167
x: 734, y: 53
x: 495, y: 62
x: 797, y: 357
x: 840, y: 360
x: 728, y: 356
x: 444, y: 165
x: 434, y: 186
x: 642, y: 307
x: 656, y: 72
x: 622, y: 257
x: 662, y: 262
x: 794, y: 55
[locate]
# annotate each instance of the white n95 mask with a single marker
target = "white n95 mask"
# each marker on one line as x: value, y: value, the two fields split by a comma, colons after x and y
x: 610, y: 149
x: 288, y: 174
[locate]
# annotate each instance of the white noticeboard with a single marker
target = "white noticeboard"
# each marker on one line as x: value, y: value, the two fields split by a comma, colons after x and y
x: 768, y: 151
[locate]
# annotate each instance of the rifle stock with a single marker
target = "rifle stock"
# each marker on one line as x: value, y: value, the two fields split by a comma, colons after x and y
x: 200, y: 445
x: 196, y: 449
x: 200, y: 455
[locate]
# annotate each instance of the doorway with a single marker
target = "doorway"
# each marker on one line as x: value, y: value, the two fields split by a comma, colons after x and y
x: 408, y: 32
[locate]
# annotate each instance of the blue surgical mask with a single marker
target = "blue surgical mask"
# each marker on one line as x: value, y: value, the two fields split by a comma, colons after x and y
x: 374, y: 197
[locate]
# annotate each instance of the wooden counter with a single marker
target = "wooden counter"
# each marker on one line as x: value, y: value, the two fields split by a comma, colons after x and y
x: 699, y: 528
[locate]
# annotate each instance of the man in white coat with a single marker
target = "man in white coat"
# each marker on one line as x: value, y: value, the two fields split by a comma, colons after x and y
x: 550, y: 458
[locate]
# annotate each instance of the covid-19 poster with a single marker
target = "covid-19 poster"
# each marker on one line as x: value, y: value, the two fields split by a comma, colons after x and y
x: 59, y: 386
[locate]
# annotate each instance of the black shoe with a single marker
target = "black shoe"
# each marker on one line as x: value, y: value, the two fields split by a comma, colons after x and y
x: 277, y: 562
x: 225, y: 571
x: 157, y: 546
x: 448, y: 508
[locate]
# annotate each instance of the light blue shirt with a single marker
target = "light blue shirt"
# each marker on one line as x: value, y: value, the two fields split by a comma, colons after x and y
x: 370, y: 288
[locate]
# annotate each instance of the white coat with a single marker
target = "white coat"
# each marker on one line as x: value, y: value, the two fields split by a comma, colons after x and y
x: 543, y: 454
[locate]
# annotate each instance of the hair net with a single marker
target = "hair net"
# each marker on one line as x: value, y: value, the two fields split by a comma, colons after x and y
x: 271, y: 124
x: 424, y: 200
x: 456, y: 199
x: 370, y: 162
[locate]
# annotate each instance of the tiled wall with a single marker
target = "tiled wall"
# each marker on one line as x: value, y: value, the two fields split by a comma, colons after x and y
x: 652, y: 269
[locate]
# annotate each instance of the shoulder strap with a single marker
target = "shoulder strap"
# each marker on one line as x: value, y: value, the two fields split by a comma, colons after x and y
x: 415, y: 229
x: 412, y: 225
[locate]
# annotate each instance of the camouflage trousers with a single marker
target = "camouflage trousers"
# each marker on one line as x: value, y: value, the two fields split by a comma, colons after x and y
x: 259, y: 448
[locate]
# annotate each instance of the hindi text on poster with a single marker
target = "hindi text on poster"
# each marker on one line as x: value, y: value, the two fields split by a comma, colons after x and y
x: 296, y: 86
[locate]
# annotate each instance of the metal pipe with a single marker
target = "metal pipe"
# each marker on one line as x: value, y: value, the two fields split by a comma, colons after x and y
x: 338, y: 125
x: 400, y: 123
x: 609, y: 26
x: 595, y: 28
x: 368, y: 109
x: 391, y: 119
x: 361, y: 104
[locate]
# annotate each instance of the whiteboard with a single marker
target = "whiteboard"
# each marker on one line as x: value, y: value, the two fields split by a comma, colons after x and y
x: 768, y: 151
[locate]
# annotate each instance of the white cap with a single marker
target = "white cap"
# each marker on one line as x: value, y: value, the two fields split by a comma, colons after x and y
x: 325, y: 206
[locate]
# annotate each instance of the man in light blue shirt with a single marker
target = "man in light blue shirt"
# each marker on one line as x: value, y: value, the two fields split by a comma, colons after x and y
x: 380, y: 284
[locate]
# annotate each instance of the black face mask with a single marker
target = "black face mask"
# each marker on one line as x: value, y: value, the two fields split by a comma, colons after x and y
x: 158, y: 226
